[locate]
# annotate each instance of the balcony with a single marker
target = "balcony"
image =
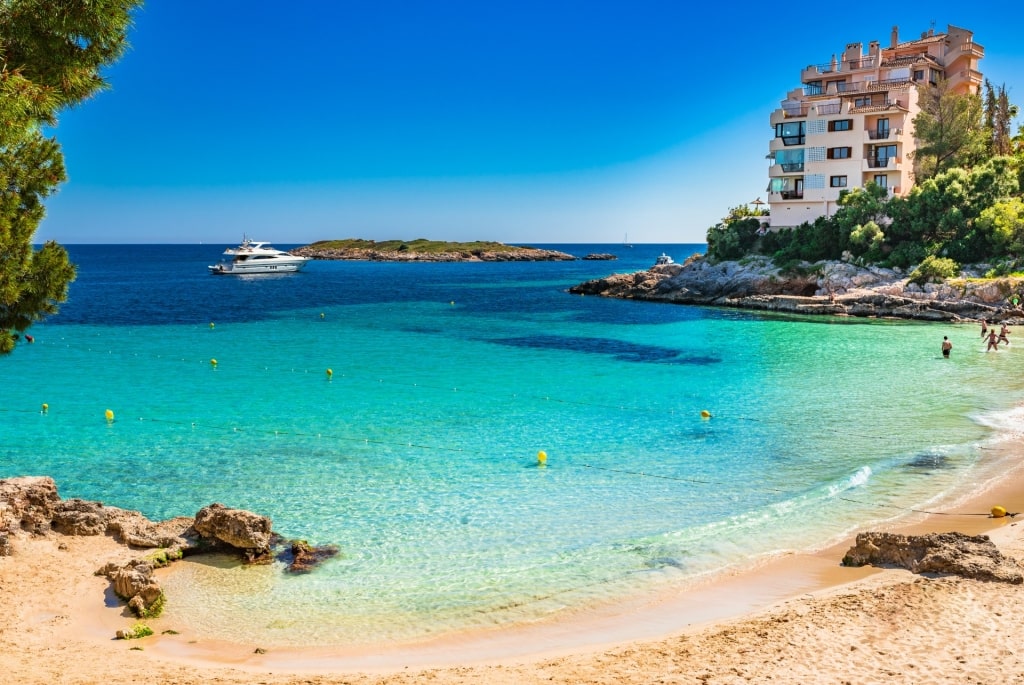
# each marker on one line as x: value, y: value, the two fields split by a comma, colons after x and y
x: 792, y: 194
x: 790, y: 111
x: 882, y: 162
x: 863, y: 63
x: 973, y: 49
x: 825, y: 110
x: 792, y: 167
x: 884, y: 134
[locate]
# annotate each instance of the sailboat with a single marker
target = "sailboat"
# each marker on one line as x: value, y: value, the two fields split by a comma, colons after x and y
x: 625, y: 241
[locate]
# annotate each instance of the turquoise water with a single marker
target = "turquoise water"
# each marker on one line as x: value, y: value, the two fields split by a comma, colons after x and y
x: 418, y: 454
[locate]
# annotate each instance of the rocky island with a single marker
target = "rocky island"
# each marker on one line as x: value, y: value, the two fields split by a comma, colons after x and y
x: 422, y: 250
x: 834, y: 288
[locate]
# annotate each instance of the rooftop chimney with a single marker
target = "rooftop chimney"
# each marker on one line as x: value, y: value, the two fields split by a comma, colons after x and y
x: 895, y: 37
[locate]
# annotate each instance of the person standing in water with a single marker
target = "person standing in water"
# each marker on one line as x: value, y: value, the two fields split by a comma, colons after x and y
x: 984, y: 328
x: 946, y: 346
x: 1003, y: 332
x: 993, y: 342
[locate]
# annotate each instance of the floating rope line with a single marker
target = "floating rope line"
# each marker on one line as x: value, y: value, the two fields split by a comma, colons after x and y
x: 922, y: 511
x: 676, y: 478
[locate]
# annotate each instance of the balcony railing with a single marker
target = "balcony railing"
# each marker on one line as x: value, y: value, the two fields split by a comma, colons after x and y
x: 791, y: 167
x: 792, y: 194
x: 793, y: 140
x: 880, y: 135
x: 863, y: 63
x: 795, y: 111
x: 879, y: 163
x: 830, y: 109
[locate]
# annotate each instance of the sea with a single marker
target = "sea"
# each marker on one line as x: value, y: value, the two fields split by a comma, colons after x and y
x: 484, y: 448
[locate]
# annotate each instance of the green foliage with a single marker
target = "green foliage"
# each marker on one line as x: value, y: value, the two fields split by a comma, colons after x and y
x: 934, y: 269
x: 51, y: 55
x: 949, y: 129
x: 139, y: 630
x: 1002, y: 225
x: 732, y: 238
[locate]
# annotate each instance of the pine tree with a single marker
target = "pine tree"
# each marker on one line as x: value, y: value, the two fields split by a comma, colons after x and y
x: 51, y: 53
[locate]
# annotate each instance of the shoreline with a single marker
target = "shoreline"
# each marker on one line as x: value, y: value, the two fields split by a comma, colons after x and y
x: 734, y: 601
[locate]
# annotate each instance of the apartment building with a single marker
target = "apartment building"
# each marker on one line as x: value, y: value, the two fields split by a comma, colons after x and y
x: 849, y: 124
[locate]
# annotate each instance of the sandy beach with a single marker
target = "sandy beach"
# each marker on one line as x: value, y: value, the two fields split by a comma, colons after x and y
x: 801, y: 618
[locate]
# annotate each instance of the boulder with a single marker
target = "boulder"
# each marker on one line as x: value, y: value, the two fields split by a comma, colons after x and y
x: 134, y: 583
x: 237, y: 528
x: 942, y: 553
x: 5, y: 545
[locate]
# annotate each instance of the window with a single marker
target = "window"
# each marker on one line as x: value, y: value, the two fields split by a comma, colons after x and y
x: 837, y: 181
x: 881, y: 180
x: 813, y: 88
x: 792, y: 132
x: 839, y: 152
x: 919, y: 74
x: 863, y: 101
x: 840, y: 125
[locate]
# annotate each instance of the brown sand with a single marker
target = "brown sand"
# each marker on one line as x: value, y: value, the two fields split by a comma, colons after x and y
x: 800, y: 619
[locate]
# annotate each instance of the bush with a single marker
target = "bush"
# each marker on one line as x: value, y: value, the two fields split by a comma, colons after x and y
x: 934, y: 269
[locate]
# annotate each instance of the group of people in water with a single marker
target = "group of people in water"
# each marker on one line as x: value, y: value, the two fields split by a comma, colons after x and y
x: 993, y: 338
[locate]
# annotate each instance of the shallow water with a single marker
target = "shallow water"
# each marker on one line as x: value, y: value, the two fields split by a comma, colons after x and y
x: 417, y: 455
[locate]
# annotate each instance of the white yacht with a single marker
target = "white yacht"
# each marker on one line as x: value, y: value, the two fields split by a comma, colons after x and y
x: 663, y: 259
x: 253, y: 257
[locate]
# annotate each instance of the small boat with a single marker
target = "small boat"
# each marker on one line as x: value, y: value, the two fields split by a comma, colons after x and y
x: 663, y: 259
x: 253, y: 257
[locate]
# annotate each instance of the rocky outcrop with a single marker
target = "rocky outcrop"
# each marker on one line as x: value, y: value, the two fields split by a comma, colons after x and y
x: 600, y: 257
x: 31, y: 506
x: 836, y: 288
x: 942, y: 553
x: 28, y: 504
x: 134, y: 583
x: 237, y: 528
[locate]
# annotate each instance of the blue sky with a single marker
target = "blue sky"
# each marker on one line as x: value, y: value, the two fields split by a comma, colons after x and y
x: 528, y: 122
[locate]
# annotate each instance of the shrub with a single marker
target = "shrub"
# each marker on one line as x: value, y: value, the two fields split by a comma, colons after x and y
x: 934, y: 269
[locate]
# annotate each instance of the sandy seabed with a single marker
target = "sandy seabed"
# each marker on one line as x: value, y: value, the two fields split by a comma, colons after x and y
x: 799, y: 619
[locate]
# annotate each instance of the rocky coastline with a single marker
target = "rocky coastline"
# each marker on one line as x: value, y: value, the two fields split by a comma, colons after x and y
x: 371, y: 253
x: 827, y: 288
x: 31, y: 507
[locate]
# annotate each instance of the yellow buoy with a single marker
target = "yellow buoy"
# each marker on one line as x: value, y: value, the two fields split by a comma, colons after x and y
x: 705, y: 414
x: 998, y: 512
x: 46, y: 407
x: 542, y: 458
x: 330, y: 373
x: 321, y: 315
x: 213, y: 362
x: 211, y: 324
x: 109, y: 414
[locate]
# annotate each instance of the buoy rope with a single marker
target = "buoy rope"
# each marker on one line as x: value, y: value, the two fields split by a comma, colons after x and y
x: 663, y: 477
x: 370, y: 380
x: 921, y: 511
x: 266, y: 431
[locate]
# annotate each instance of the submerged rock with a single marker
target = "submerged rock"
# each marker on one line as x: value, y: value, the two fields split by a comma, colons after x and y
x: 303, y: 557
x: 945, y: 553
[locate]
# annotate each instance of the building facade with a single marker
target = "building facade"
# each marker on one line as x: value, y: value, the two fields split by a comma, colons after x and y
x: 850, y: 123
